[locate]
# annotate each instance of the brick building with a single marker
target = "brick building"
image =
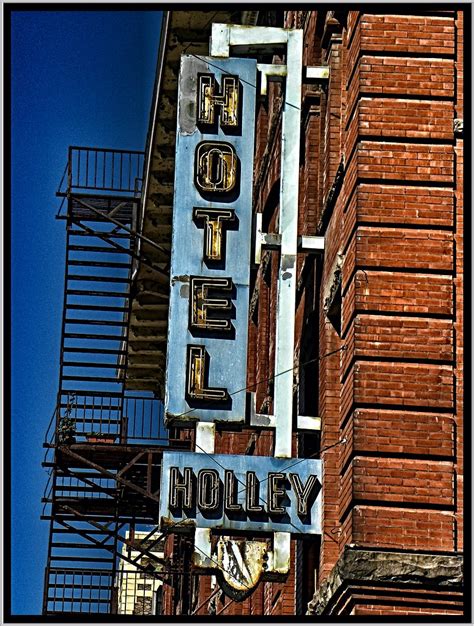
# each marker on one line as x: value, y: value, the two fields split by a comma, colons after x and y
x: 379, y: 326
x: 377, y: 365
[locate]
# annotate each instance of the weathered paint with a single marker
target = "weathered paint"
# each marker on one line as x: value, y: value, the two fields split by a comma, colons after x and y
x: 309, y: 243
x: 280, y: 563
x: 317, y: 72
x: 287, y: 522
x: 250, y: 39
x: 227, y: 352
x: 269, y: 71
x: 205, y: 437
x: 246, y: 39
x: 202, y: 548
x: 241, y: 564
x: 307, y: 422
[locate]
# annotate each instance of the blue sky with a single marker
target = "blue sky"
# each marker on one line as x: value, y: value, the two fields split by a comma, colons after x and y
x: 78, y: 78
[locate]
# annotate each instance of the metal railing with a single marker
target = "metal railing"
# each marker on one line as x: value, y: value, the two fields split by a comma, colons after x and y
x: 102, y: 169
x: 131, y: 419
x: 86, y: 499
x: 79, y: 591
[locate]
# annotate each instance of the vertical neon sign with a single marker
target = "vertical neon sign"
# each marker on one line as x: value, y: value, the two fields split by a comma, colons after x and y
x: 210, y: 261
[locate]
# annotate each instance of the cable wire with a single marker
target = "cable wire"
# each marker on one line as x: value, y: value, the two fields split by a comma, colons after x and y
x: 271, y: 378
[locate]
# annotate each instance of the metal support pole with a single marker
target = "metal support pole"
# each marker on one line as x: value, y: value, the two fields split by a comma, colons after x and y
x: 223, y: 38
x: 288, y: 228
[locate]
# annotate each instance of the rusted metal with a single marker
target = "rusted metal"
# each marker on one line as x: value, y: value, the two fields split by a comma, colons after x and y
x: 104, y: 529
x: 204, y: 602
x: 240, y: 565
x: 226, y: 606
x: 97, y: 169
x: 149, y: 471
x: 68, y: 452
x: 131, y: 463
x: 106, y: 238
x: 123, y: 227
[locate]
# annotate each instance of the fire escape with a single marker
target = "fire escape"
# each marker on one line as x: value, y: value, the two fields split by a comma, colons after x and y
x: 104, y: 443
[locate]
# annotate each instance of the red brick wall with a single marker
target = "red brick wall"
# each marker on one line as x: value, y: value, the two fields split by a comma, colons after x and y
x: 458, y: 283
x: 396, y: 390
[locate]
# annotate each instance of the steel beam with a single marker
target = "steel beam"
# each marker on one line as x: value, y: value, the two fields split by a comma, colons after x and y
x: 305, y: 422
x: 317, y: 72
x: 281, y: 553
x: 202, y: 548
x: 130, y: 231
x: 310, y: 244
x: 205, y: 437
x: 110, y: 548
x: 269, y: 71
x: 245, y: 39
x: 253, y: 39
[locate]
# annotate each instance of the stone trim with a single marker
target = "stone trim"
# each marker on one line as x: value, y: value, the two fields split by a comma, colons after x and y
x: 445, y: 571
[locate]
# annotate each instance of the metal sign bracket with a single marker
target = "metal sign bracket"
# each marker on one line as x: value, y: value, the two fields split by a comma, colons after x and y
x: 309, y: 244
x: 263, y: 420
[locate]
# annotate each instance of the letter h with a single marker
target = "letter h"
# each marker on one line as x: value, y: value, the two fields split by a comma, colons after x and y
x: 181, y: 487
x: 227, y: 101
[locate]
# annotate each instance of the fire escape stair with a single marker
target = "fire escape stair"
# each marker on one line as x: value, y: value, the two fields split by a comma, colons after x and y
x: 104, y: 472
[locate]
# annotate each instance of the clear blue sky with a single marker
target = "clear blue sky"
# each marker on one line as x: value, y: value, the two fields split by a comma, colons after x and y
x: 83, y: 78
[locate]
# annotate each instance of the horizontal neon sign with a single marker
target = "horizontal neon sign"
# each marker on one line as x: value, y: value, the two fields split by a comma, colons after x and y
x: 239, y: 492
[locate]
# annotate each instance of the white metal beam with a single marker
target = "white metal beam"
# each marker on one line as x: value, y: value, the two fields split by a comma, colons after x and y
x: 268, y: 70
x: 205, y: 443
x: 317, y: 73
x: 281, y: 553
x: 202, y: 556
x: 245, y: 38
x: 306, y: 422
x: 205, y: 437
x: 310, y: 243
x: 288, y: 228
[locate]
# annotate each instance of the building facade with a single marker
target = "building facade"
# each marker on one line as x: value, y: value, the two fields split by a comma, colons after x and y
x: 370, y: 392
x: 138, y: 594
x: 379, y: 326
